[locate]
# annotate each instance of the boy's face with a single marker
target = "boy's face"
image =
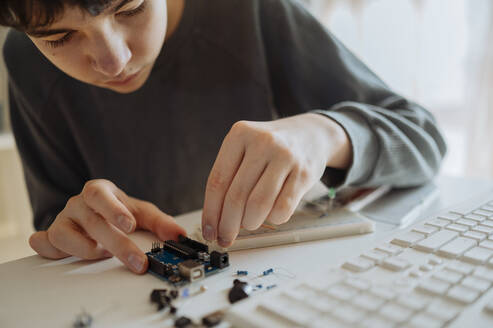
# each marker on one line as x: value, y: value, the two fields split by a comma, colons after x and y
x: 114, y: 50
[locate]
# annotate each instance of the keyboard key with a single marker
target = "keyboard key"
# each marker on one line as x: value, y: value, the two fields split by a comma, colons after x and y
x: 383, y: 292
x: 359, y: 284
x: 483, y: 229
x: 486, y: 244
x: 467, y: 222
x: 395, y: 312
x: 413, y: 301
x: 369, y: 302
x: 439, y: 223
x: 478, y: 284
x: 477, y: 255
x: 460, y: 267
x: 457, y: 227
x: 375, y: 255
x: 462, y: 294
x: 443, y: 310
x: 457, y: 247
x: 435, y: 241
x: 342, y: 292
x: 450, y: 216
x: 423, y: 320
x: 358, y: 264
x: 488, y: 223
x: 395, y: 264
x: 434, y: 287
x: 478, y: 236
x: 390, y: 249
x: 295, y: 315
x: 484, y: 213
x: 475, y: 217
x: 425, y: 229
x: 484, y: 273
x: 448, y: 276
x: 408, y: 239
x: 321, y: 303
x: 348, y: 313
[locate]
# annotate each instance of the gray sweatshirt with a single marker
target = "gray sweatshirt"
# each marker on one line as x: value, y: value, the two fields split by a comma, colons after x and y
x: 228, y: 60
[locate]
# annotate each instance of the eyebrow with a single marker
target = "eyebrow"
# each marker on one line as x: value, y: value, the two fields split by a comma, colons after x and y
x: 44, y: 33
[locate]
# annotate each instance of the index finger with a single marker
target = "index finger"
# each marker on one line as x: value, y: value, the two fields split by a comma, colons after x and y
x: 100, y: 196
x: 223, y: 171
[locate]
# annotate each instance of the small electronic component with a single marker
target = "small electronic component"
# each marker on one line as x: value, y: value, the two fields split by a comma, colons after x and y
x: 268, y: 272
x: 271, y: 286
x: 83, y: 320
x: 184, y: 261
x: 239, y: 291
x: 213, y: 319
x: 183, y: 322
x: 191, y: 270
x: 242, y: 273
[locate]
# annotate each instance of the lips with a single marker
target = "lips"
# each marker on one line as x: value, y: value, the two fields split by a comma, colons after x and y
x: 123, y: 80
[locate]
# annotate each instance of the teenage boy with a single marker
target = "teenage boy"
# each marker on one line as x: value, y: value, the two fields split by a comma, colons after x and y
x: 235, y: 106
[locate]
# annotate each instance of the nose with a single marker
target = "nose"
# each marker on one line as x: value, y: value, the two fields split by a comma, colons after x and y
x: 110, y: 54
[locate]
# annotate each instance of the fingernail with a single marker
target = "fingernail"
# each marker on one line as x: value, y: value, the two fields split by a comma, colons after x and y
x: 223, y: 242
x: 125, y: 223
x: 107, y: 254
x: 136, y: 261
x: 209, y: 232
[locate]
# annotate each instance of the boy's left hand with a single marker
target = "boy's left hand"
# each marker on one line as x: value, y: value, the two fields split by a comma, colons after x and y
x: 264, y: 168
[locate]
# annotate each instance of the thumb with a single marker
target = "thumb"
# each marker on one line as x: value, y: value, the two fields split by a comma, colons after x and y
x: 151, y: 218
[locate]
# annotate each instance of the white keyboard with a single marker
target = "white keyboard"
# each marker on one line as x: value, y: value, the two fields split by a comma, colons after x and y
x: 438, y: 273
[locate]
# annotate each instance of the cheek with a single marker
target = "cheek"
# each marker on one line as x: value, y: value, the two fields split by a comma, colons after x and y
x: 148, y: 38
x: 71, y: 62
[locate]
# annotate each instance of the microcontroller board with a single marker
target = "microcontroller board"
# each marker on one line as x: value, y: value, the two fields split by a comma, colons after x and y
x: 184, y: 261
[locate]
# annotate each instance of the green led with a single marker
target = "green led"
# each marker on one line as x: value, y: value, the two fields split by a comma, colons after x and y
x: 332, y: 193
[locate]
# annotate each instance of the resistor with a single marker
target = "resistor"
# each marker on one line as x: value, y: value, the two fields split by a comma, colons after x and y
x: 242, y: 273
x: 271, y: 286
x: 268, y: 272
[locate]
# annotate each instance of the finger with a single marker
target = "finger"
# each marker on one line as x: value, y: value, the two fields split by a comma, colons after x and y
x: 101, y: 197
x: 224, y: 169
x: 264, y: 194
x: 41, y: 245
x: 294, y: 188
x: 245, y: 180
x: 68, y: 237
x: 111, y: 238
x: 151, y: 218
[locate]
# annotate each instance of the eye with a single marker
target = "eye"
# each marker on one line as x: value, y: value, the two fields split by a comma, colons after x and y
x: 133, y: 12
x: 60, y: 42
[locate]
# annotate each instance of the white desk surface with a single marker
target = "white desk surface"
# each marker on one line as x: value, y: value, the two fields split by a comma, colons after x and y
x: 35, y: 292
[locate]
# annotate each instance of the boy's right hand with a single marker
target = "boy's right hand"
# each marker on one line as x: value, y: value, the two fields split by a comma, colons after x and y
x: 95, y: 224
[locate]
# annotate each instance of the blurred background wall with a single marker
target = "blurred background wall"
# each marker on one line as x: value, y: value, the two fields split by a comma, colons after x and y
x: 436, y: 52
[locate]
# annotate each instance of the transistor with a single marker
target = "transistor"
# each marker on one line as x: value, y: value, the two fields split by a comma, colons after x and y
x: 239, y: 291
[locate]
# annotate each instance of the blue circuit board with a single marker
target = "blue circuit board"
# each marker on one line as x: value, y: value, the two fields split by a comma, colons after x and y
x: 166, y: 257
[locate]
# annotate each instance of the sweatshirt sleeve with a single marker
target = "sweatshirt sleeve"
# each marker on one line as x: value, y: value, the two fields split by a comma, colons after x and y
x: 49, y: 161
x: 394, y: 141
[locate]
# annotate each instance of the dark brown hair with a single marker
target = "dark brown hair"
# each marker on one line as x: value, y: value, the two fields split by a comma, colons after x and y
x: 25, y: 15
